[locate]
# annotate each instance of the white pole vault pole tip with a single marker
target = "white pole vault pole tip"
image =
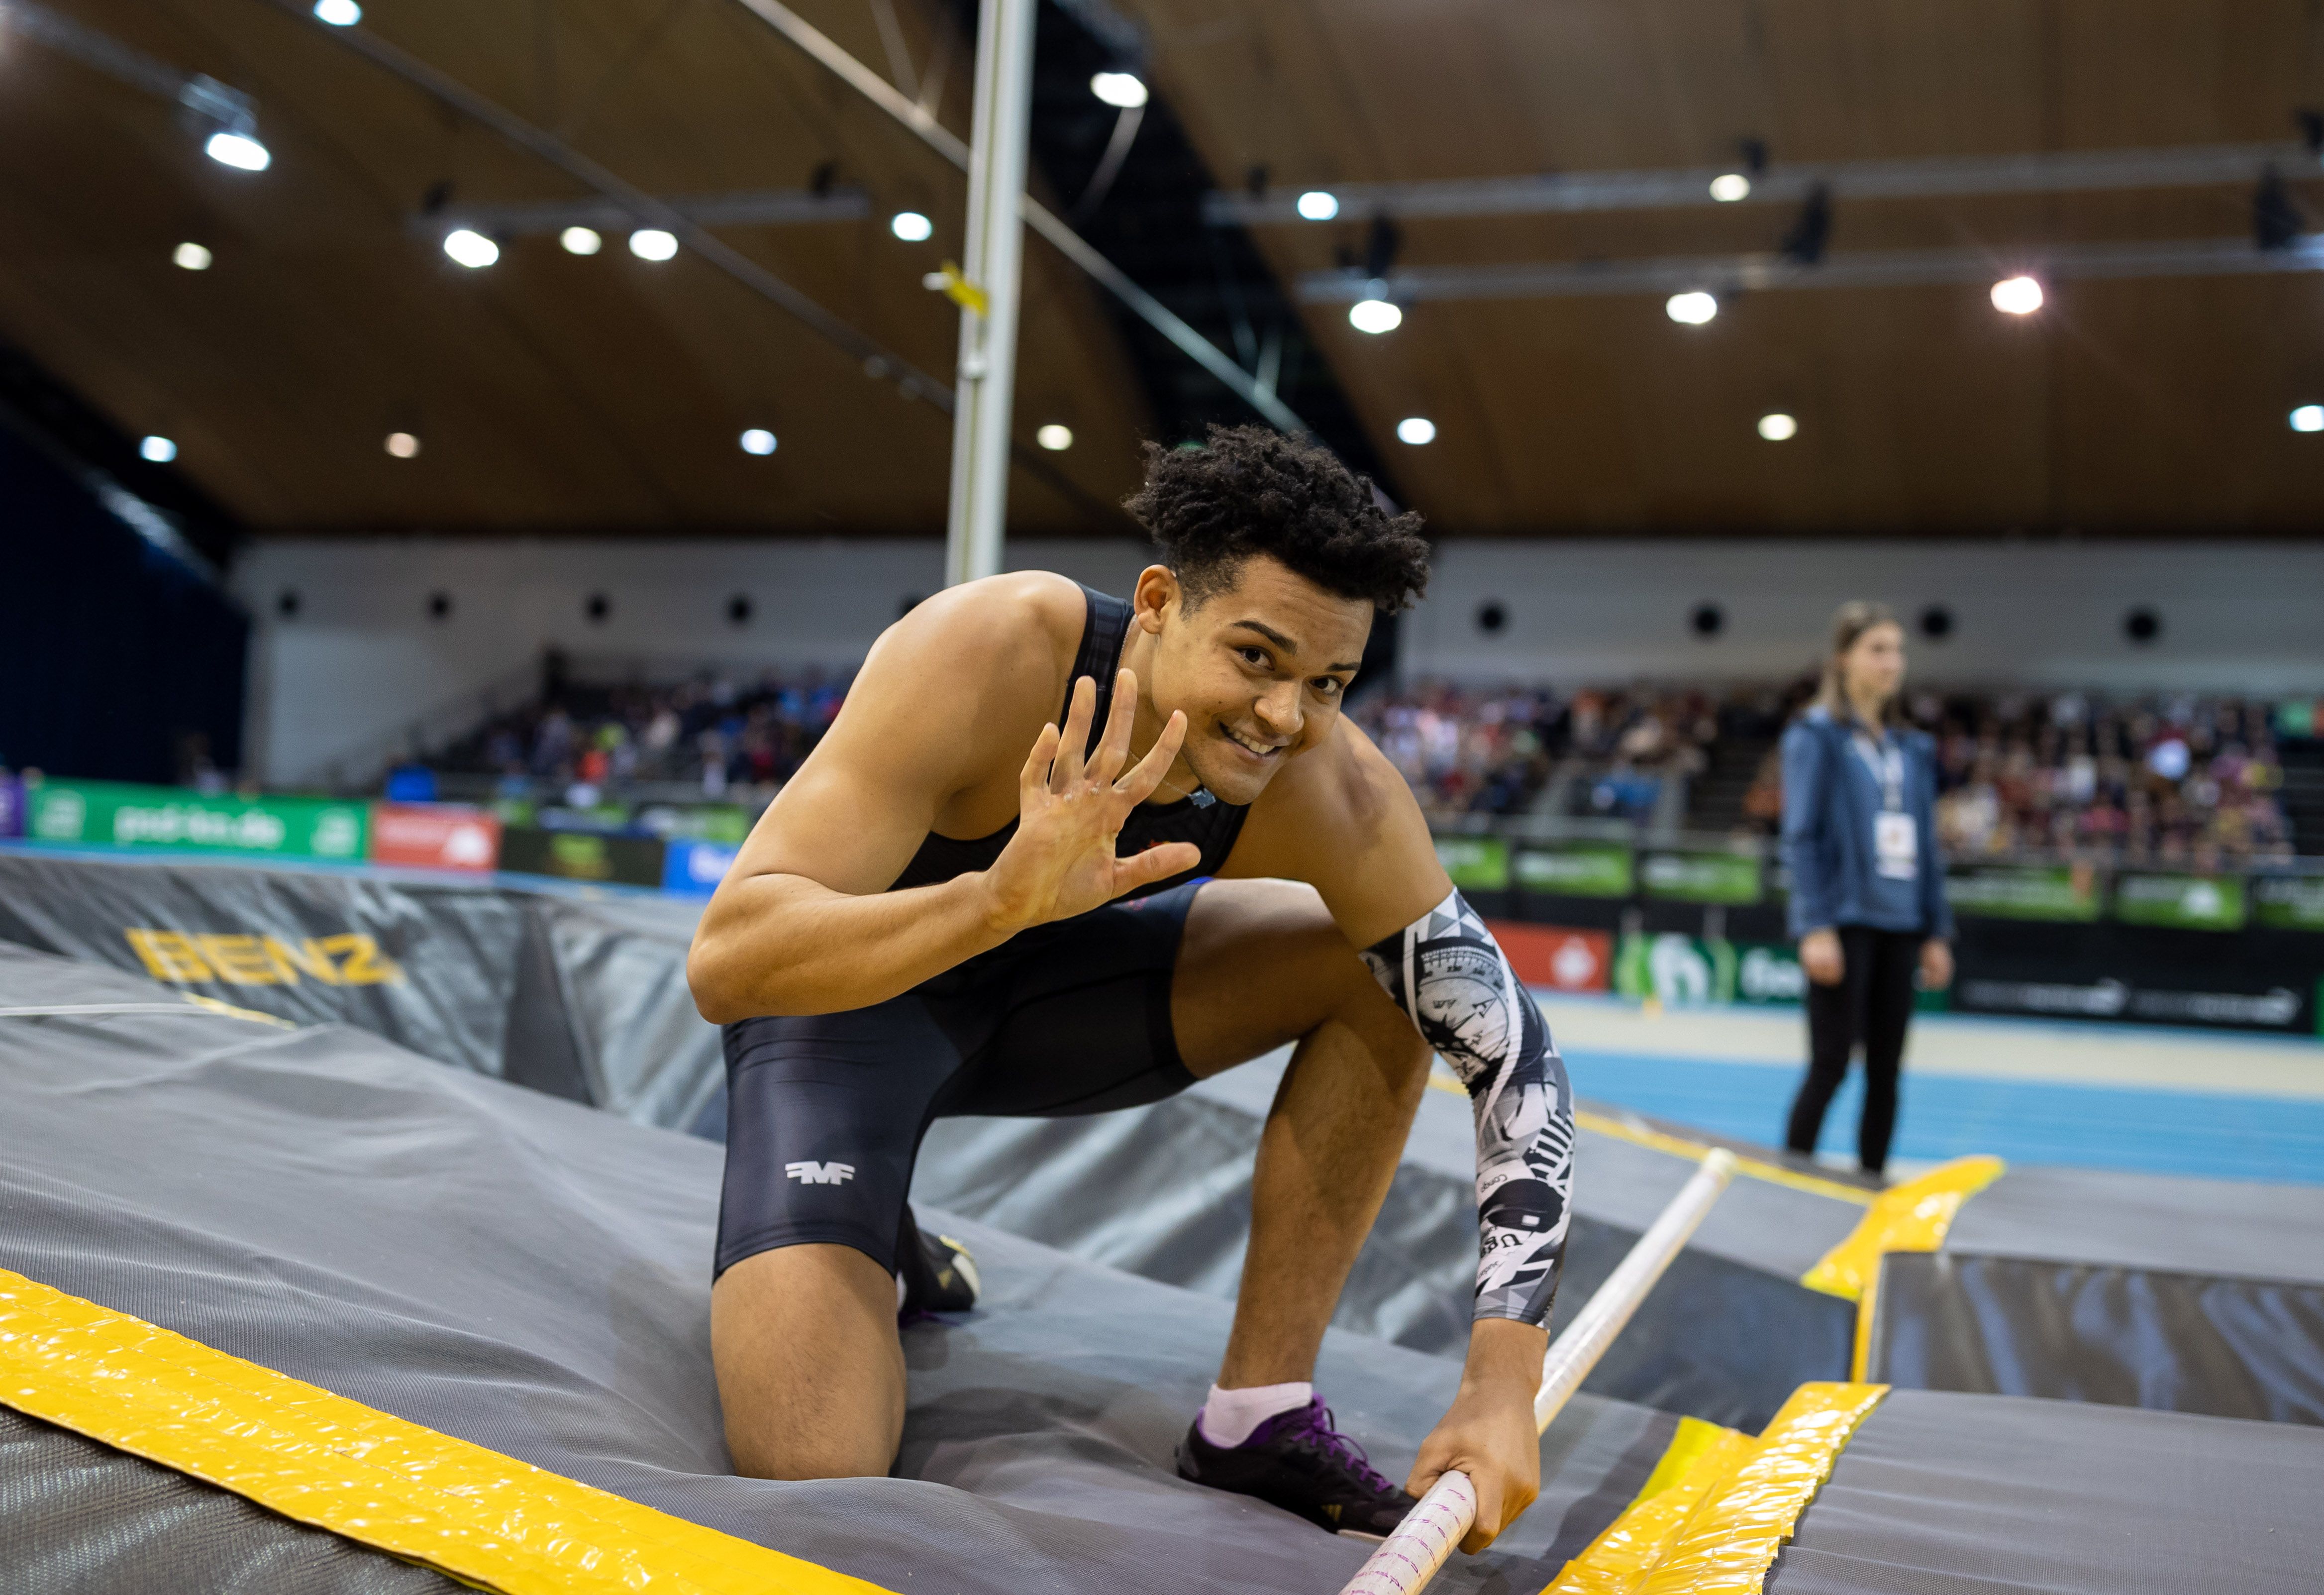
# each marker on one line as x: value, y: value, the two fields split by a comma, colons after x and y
x: 1409, y: 1557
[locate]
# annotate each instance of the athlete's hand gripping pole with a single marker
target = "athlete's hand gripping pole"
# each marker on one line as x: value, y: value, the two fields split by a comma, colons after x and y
x: 1409, y: 1557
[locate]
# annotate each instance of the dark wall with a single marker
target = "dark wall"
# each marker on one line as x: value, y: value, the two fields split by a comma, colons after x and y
x: 113, y: 653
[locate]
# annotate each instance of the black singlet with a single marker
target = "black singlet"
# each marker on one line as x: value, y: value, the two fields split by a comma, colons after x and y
x: 1212, y: 827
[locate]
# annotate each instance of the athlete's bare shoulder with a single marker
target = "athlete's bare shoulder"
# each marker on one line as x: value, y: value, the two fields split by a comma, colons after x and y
x: 996, y: 637
x: 1341, y: 817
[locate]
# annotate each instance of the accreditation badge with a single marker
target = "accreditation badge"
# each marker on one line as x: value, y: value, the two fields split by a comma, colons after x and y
x: 1896, y: 846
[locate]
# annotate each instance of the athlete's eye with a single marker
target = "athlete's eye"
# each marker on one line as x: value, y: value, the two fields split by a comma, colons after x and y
x: 1329, y: 685
x: 1252, y: 656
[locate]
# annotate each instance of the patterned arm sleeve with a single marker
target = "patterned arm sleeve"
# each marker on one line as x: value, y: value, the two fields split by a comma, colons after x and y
x: 1447, y: 972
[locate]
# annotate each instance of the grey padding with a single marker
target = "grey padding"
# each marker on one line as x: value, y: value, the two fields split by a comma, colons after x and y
x: 2137, y: 1220
x: 1984, y: 1494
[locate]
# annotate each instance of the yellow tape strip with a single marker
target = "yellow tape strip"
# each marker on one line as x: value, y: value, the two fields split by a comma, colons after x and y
x: 1774, y: 1174
x: 1729, y: 1540
x: 1700, y: 1457
x: 308, y: 1454
x: 1912, y: 1217
x: 232, y: 1012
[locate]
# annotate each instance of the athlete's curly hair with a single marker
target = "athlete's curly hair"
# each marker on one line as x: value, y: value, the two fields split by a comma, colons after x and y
x: 1252, y: 491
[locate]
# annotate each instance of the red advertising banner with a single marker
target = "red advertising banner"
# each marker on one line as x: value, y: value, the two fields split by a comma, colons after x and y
x: 434, y: 837
x: 1552, y: 955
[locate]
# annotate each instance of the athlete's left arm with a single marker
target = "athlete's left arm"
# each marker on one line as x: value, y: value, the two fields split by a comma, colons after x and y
x: 1346, y: 822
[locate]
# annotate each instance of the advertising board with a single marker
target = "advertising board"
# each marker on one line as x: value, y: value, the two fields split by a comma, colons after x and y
x: 1676, y: 970
x: 696, y: 867
x: 435, y: 836
x: 113, y: 814
x: 2013, y: 891
x: 12, y: 806
x: 2288, y: 902
x: 1556, y: 957
x: 582, y: 856
x: 1476, y: 863
x: 2180, y: 902
x: 1728, y: 878
x: 1590, y: 870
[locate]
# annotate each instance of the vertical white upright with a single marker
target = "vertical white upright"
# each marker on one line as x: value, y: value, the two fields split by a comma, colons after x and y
x: 985, y: 387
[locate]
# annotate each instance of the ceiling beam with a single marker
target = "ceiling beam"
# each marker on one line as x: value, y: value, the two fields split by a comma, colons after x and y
x: 1883, y: 268
x: 2071, y: 172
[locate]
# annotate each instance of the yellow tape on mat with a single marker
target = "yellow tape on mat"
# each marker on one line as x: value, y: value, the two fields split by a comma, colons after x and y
x: 1912, y: 1217
x: 480, y: 1517
x: 1719, y: 1505
x: 1638, y: 1135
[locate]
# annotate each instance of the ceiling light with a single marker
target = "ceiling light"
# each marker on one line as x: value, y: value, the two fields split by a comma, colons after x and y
x: 1776, y: 427
x: 160, y: 450
x: 2308, y: 418
x: 1054, y: 437
x: 1124, y: 90
x: 1729, y: 187
x: 581, y: 241
x: 911, y: 226
x: 1375, y: 315
x: 652, y: 244
x: 339, y: 14
x: 2017, y: 296
x: 1316, y: 205
x: 1692, y: 308
x: 471, y: 249
x: 403, y: 445
x: 1415, y: 429
x: 237, y: 150
x: 193, y: 257
x: 757, y: 440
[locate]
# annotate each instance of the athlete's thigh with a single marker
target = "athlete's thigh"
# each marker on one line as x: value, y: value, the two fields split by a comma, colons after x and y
x: 1260, y: 966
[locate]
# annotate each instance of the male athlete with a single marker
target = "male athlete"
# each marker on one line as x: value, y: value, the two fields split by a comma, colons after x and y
x: 928, y: 921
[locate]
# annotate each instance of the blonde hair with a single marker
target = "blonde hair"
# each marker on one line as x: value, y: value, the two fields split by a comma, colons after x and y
x: 1849, y: 622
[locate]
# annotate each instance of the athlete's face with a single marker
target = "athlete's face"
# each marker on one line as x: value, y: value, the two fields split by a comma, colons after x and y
x: 1258, y: 668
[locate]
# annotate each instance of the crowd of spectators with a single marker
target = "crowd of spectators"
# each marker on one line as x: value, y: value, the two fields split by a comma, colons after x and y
x: 1499, y: 751
x: 711, y: 729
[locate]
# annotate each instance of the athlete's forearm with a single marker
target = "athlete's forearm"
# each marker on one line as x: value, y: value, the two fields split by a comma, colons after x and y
x: 1447, y: 972
x: 786, y: 945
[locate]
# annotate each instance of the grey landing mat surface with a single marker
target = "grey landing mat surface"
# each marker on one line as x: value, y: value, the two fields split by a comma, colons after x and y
x: 2138, y: 1290
x: 1985, y: 1495
x: 533, y: 1276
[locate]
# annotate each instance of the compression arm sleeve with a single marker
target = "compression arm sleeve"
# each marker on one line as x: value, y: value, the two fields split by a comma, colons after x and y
x: 1447, y: 972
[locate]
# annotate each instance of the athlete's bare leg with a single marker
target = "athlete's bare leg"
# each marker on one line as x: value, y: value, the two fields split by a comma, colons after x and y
x: 810, y: 1371
x: 1263, y: 964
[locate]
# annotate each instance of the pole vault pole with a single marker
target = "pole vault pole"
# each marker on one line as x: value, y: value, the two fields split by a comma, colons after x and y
x: 992, y: 264
x: 1409, y: 1557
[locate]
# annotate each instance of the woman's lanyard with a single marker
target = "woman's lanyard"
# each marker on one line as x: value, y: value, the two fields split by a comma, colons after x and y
x: 1896, y: 846
x: 1887, y: 763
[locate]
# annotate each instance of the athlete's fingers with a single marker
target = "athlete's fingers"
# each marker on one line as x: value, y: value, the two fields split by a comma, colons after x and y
x: 1120, y: 719
x: 1156, y: 864
x: 1067, y: 769
x: 1148, y: 772
x: 1035, y: 777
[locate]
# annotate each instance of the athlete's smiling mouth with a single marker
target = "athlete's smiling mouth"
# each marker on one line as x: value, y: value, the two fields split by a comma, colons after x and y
x: 1256, y: 750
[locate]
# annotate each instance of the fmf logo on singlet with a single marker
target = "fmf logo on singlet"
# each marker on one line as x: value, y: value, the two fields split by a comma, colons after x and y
x: 820, y: 1174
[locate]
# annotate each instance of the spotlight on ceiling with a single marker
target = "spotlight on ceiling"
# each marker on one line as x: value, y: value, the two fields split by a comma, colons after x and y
x: 2017, y: 296
x: 1318, y: 206
x: 1729, y: 187
x: 1776, y: 427
x: 1692, y: 308
x: 193, y: 257
x: 1415, y: 429
x: 470, y: 248
x: 757, y: 440
x: 581, y: 240
x: 652, y: 244
x: 1125, y: 89
x: 1054, y: 437
x: 159, y: 449
x: 403, y: 445
x: 911, y: 226
x: 339, y: 14
x: 237, y: 150
x: 2308, y: 418
x: 1374, y: 316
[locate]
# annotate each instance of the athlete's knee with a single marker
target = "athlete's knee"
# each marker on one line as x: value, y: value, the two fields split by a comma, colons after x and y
x: 762, y: 1451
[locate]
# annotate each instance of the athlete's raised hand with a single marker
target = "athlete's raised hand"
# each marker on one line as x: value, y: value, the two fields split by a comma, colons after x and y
x: 1061, y: 860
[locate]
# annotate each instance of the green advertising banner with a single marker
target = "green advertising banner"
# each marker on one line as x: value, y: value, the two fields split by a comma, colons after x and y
x: 1703, y: 877
x: 2183, y: 902
x: 1476, y: 863
x: 2003, y: 891
x: 1676, y: 970
x: 1604, y: 871
x: 1769, y: 971
x: 2288, y: 902
x: 111, y: 814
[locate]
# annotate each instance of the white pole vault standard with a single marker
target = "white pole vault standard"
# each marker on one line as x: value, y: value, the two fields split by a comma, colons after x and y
x: 986, y: 385
x: 1409, y: 1557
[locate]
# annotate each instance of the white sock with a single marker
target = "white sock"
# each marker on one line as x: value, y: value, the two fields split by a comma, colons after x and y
x: 1229, y: 1416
